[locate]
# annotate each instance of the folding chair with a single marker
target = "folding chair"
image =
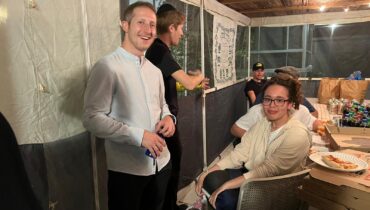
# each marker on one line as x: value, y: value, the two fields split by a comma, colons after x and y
x: 271, y: 193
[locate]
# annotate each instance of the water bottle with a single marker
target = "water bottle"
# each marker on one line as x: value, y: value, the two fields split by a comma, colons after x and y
x: 147, y: 153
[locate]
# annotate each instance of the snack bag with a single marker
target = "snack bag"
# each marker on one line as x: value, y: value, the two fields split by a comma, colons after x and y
x: 329, y: 88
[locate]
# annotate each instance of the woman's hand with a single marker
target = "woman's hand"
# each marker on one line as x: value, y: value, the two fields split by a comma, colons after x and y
x: 199, y: 184
x: 231, y: 184
x: 213, y: 198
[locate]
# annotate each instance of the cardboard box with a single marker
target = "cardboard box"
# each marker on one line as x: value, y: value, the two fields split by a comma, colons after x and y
x: 324, y: 195
x: 348, y: 138
x: 332, y: 129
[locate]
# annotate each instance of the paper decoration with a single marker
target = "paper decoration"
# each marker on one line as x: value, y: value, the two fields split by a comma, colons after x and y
x: 224, y: 36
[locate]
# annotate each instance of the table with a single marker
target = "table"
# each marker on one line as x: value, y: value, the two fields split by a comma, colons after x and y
x: 333, y: 190
x: 342, y: 137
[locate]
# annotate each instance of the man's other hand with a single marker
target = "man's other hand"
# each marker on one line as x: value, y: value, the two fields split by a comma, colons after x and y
x: 166, y: 127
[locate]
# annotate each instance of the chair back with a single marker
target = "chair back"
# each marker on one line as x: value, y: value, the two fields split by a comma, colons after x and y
x: 271, y: 193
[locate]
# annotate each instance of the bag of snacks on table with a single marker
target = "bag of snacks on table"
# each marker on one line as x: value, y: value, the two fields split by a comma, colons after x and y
x: 329, y: 88
x: 353, y: 89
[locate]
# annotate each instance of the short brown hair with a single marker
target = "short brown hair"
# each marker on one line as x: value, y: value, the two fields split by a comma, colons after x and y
x: 165, y: 19
x: 127, y: 13
x: 292, y: 85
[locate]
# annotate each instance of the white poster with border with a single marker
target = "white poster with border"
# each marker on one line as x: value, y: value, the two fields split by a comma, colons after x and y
x: 224, y: 36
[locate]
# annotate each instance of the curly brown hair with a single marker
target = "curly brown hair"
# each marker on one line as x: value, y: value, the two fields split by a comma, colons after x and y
x: 292, y: 85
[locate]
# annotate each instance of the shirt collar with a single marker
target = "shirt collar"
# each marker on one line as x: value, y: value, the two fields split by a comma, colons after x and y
x: 131, y: 56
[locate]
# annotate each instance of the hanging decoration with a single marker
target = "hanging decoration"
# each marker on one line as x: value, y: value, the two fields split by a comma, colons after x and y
x: 224, y: 36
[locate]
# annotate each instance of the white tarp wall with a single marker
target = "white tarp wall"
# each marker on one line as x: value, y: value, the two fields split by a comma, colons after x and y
x: 47, y: 48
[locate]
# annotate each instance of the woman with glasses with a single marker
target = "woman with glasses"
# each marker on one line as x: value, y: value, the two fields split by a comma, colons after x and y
x: 276, y: 145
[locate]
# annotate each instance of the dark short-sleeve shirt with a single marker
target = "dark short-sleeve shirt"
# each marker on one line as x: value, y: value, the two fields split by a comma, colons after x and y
x: 160, y: 55
x: 254, y: 86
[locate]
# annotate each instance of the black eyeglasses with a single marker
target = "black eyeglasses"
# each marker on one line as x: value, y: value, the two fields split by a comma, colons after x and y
x: 277, y: 101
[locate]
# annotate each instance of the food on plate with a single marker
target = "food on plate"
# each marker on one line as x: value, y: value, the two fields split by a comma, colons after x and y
x: 321, y: 128
x: 335, y: 162
x: 311, y: 151
x: 321, y: 133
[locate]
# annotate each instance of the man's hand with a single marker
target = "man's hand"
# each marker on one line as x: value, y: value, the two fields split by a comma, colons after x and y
x: 205, y: 83
x: 153, y: 142
x: 166, y: 127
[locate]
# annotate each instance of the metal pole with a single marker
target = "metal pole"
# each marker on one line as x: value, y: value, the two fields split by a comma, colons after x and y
x: 203, y: 93
x: 186, y: 44
x: 249, y: 50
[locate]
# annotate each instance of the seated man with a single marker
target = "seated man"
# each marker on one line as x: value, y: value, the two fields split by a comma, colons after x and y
x: 276, y: 145
x: 255, y: 114
x: 254, y: 86
x: 292, y: 71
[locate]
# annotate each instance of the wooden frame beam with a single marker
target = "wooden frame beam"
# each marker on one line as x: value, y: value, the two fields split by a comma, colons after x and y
x: 337, y: 4
x: 234, y: 1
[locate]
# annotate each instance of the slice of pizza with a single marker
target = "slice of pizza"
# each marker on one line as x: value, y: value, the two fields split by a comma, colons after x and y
x: 335, y: 162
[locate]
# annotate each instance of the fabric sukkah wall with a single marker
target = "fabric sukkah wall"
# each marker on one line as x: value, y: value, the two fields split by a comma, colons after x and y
x: 47, y: 48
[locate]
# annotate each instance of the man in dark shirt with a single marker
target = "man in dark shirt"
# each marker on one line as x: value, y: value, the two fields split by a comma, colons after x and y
x: 254, y: 86
x: 169, y: 29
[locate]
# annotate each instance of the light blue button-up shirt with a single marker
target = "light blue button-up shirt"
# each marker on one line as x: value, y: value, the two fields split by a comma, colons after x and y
x: 125, y: 96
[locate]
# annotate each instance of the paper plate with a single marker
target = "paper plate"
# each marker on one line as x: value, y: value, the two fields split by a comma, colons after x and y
x: 317, y: 158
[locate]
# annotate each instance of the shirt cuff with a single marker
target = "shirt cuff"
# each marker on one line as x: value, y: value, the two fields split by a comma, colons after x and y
x: 240, y: 125
x: 137, y: 135
x: 250, y: 175
x: 173, y: 118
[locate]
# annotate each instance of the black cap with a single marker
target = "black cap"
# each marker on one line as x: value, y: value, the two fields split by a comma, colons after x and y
x: 165, y: 8
x: 257, y: 66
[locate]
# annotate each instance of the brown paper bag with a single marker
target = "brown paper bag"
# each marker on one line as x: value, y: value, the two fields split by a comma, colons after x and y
x: 329, y: 88
x: 353, y: 89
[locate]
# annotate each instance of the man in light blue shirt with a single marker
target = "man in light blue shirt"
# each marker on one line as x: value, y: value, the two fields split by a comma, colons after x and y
x: 125, y: 105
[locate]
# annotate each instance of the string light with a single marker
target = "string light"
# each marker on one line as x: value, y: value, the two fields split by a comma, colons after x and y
x: 333, y: 27
x: 3, y: 14
x: 346, y: 9
x: 322, y: 8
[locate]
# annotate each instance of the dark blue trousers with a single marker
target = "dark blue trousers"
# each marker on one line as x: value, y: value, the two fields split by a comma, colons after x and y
x: 228, y: 199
